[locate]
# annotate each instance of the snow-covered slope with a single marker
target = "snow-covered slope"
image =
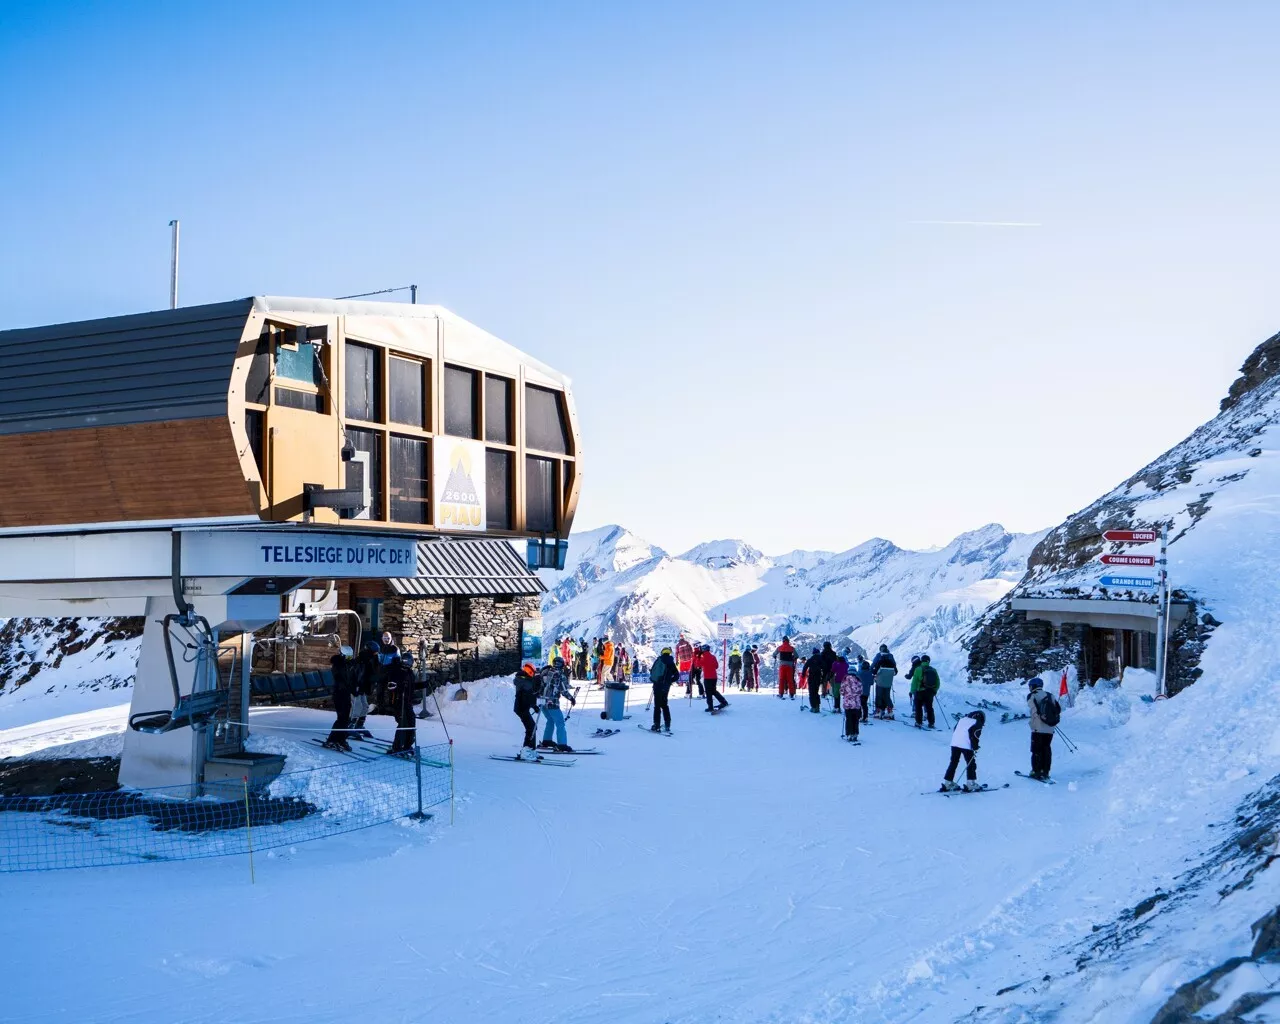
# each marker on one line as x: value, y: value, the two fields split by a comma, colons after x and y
x: 873, y: 593
x: 54, y: 667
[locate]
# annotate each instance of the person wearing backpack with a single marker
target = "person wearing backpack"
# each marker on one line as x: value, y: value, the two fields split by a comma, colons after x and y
x: 735, y: 667
x: 884, y: 668
x: 839, y: 670
x: 555, y: 684
x: 663, y: 675
x: 925, y: 684
x: 528, y: 688
x: 867, y: 680
x: 1046, y: 712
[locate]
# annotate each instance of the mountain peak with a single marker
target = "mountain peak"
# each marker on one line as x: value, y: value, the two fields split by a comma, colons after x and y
x: 721, y: 554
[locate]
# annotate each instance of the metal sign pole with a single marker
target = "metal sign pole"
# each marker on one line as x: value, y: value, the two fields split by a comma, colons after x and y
x: 1162, y: 616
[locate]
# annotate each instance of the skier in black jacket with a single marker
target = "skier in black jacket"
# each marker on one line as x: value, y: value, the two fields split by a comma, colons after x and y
x: 528, y: 688
x: 341, y: 665
x: 400, y: 682
x: 662, y: 683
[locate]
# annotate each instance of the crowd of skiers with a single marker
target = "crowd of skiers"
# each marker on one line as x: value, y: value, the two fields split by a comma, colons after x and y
x: 858, y: 689
x: 378, y: 681
x: 602, y: 661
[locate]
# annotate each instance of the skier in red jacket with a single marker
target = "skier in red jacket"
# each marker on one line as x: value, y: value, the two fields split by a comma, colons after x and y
x: 786, y: 655
x: 710, y: 673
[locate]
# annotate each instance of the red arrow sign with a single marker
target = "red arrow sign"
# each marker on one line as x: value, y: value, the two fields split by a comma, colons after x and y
x: 1129, y: 559
x: 1132, y: 536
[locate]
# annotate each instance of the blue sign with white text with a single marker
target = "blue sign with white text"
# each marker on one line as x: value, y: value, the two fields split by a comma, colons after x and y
x: 1127, y: 581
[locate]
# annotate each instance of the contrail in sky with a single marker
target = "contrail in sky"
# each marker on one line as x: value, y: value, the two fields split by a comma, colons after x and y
x: 982, y: 223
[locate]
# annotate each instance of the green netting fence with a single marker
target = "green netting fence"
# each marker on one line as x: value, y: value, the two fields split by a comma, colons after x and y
x: 134, y: 826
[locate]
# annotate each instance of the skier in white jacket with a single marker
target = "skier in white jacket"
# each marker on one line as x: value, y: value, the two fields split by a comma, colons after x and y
x: 964, y: 743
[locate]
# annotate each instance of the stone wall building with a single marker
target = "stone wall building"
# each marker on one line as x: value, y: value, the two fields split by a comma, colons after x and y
x: 462, y: 622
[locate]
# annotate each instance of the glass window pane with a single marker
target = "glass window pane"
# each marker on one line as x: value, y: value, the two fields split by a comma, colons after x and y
x: 498, y: 489
x: 370, y: 441
x: 497, y: 410
x: 408, y: 480
x: 306, y: 400
x: 405, y: 394
x: 297, y: 362
x: 544, y: 424
x: 362, y: 387
x: 459, y: 402
x: 540, y: 494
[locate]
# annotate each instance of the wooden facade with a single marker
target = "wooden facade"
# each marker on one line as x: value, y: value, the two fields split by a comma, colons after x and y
x: 300, y: 379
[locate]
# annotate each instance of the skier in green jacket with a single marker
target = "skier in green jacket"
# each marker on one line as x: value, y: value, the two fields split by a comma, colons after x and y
x: 924, y: 687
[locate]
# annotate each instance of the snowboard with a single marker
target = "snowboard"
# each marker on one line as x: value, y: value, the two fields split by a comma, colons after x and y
x: 605, y: 732
x: 970, y: 792
x: 1025, y: 775
x: 548, y: 761
x: 660, y: 732
x: 1010, y: 716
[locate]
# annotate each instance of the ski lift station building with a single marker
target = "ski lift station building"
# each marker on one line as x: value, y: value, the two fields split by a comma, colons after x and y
x: 199, y: 465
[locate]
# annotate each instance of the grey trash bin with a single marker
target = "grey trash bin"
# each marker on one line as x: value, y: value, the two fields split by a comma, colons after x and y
x: 615, y: 701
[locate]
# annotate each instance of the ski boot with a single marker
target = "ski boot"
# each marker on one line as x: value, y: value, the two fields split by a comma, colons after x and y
x: 563, y: 748
x: 546, y: 745
x: 971, y: 787
x: 654, y: 728
x: 948, y: 786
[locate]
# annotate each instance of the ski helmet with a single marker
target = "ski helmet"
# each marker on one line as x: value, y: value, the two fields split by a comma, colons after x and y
x: 1035, y: 684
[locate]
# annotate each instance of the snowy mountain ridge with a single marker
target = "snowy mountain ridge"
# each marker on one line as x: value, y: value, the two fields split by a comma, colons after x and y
x: 617, y: 583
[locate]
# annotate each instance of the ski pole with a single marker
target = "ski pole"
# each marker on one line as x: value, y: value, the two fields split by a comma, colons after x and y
x: 1071, y: 747
x: 943, y: 711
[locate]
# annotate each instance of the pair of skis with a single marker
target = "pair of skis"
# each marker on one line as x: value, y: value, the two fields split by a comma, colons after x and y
x: 984, y: 788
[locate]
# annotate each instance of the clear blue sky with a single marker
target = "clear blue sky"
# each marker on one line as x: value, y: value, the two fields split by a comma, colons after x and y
x: 709, y: 215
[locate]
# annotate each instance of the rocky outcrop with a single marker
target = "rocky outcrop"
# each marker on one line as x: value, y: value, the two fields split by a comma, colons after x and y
x: 1178, y: 490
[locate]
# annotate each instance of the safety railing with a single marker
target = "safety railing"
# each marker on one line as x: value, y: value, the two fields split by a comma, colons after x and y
x: 134, y: 826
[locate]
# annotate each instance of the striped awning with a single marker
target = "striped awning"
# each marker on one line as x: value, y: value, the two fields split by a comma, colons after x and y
x: 469, y: 568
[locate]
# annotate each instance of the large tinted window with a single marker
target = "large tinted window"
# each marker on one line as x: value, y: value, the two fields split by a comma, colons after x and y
x: 254, y: 424
x: 459, y: 402
x: 362, y: 392
x: 544, y: 424
x: 498, y: 489
x: 406, y: 392
x: 371, y: 442
x: 311, y: 401
x: 255, y: 388
x: 540, y: 494
x: 497, y: 410
x: 408, y: 480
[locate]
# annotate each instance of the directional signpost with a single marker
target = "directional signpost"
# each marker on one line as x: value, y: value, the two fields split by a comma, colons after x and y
x: 1127, y: 581
x: 725, y: 631
x: 1145, y: 582
x: 1132, y: 536
x: 1128, y: 560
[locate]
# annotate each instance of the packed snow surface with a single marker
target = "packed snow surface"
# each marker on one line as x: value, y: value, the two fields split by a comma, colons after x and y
x: 752, y: 867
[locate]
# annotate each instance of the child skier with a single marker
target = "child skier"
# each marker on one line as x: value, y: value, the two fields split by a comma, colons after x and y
x: 849, y: 695
x: 964, y: 743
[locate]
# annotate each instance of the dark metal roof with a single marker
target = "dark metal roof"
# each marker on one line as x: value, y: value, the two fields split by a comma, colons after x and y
x: 144, y: 368
x: 469, y: 568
